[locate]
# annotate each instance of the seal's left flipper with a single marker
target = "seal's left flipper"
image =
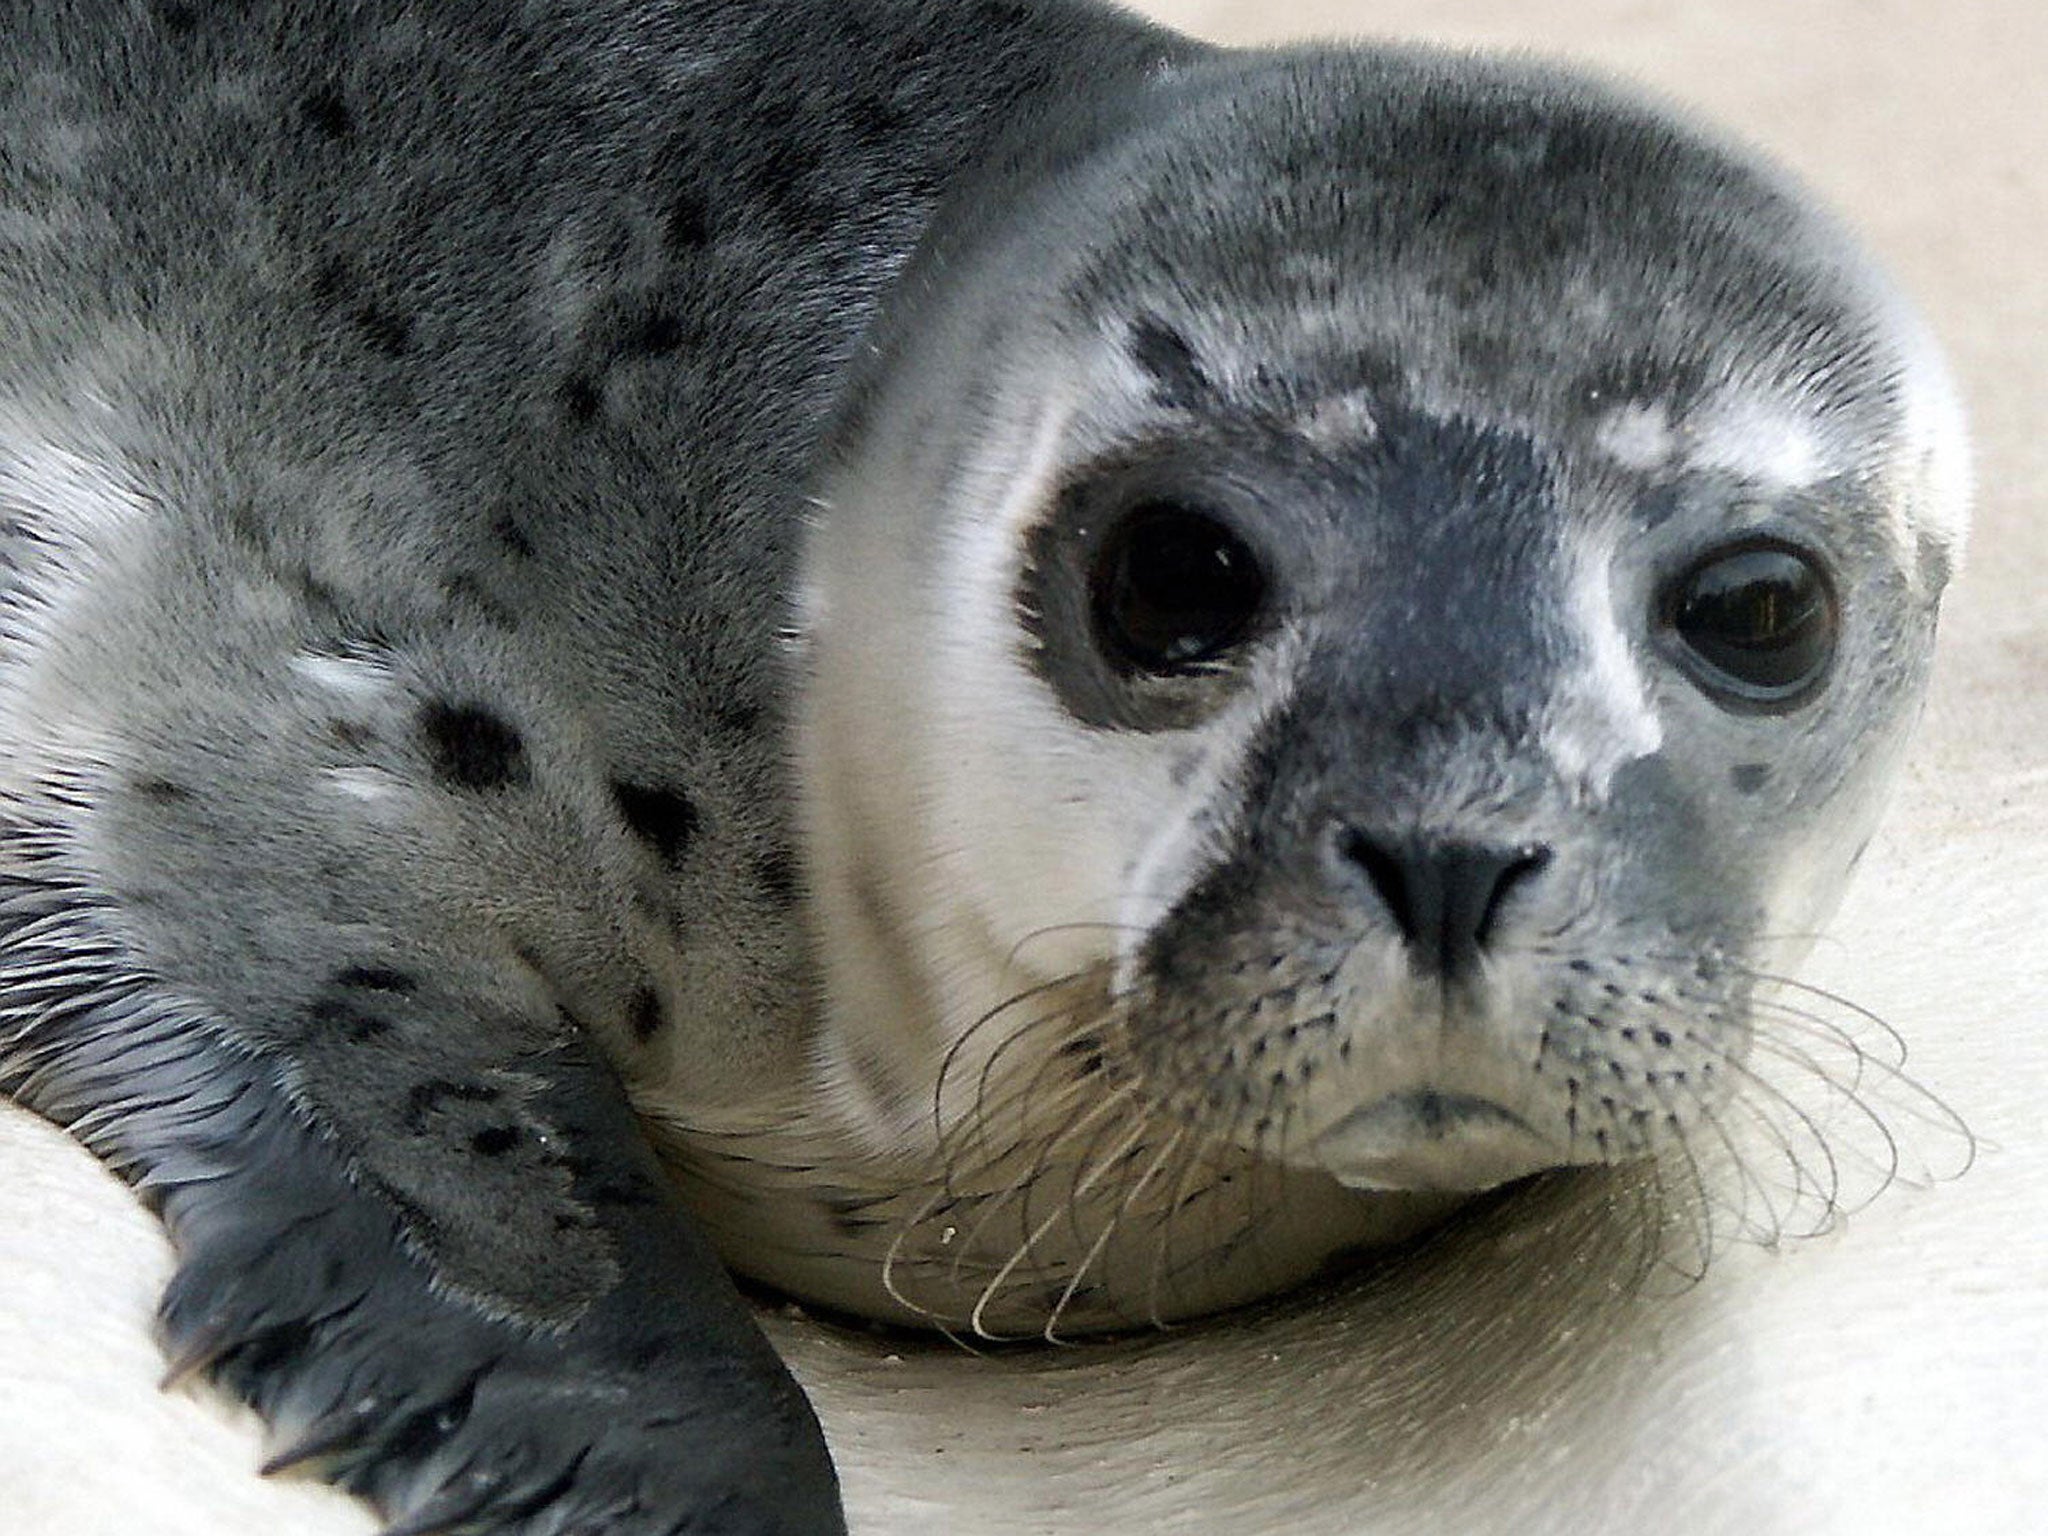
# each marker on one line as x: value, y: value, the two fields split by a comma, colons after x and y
x: 656, y: 1406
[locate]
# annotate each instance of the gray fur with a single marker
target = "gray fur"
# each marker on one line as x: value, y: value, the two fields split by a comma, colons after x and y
x: 410, y: 419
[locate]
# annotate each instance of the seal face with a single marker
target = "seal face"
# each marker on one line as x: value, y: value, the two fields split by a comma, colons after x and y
x: 1402, y: 584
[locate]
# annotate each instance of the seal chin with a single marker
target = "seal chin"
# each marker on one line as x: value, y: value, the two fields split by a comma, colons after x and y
x: 1422, y: 1140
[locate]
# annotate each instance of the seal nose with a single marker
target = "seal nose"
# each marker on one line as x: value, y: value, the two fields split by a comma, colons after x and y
x: 1445, y: 897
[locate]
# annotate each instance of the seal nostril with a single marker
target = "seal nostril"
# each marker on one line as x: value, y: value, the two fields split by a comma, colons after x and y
x: 1523, y: 866
x: 1445, y: 898
x: 1384, y: 870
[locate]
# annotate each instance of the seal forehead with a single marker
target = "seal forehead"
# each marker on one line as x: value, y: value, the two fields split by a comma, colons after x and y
x: 1506, y: 243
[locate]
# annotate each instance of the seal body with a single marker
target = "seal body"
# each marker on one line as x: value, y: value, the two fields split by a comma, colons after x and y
x: 1090, y: 671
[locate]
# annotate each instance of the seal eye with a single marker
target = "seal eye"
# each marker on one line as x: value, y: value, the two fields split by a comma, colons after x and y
x: 1756, y: 625
x: 1172, y: 588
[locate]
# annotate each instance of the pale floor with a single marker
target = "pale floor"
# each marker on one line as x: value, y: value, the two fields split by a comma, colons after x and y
x: 1889, y: 1377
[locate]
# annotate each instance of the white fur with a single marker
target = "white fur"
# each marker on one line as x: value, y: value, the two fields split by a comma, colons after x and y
x: 1935, y: 452
x: 1765, y: 438
x: 358, y: 679
x: 369, y: 786
x: 1341, y: 420
x: 1605, y: 715
x: 70, y: 501
x: 74, y: 510
x: 1639, y: 435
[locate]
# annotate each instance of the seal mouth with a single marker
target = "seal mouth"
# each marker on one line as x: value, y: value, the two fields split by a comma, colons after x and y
x: 1424, y: 1140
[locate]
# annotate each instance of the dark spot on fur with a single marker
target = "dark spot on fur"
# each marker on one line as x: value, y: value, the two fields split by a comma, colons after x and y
x: 178, y: 20
x: 582, y: 398
x: 688, y: 225
x: 327, y: 114
x: 162, y: 791
x: 1750, y: 777
x: 786, y: 181
x: 512, y: 536
x: 426, y: 1099
x: 331, y: 280
x: 875, y: 118
x: 645, y: 1016
x: 656, y: 334
x: 1164, y: 354
x: 776, y: 874
x: 376, y: 978
x: 1086, y: 1053
x: 355, y: 1022
x: 472, y: 748
x: 464, y: 589
x: 664, y: 817
x: 386, y: 330
x: 495, y: 1140
x: 742, y: 718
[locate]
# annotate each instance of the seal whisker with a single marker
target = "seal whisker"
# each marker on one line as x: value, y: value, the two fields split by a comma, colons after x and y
x: 1694, y: 1204
x: 977, y: 1318
x: 972, y: 1033
x: 1190, y: 1160
x: 1017, y: 1189
x: 1773, y: 979
x: 1774, y: 1023
x: 1108, y: 1232
x: 1822, y: 1186
x: 976, y: 1144
x: 1887, y: 1165
x: 892, y: 1255
x: 1054, y: 930
x: 1748, y: 1185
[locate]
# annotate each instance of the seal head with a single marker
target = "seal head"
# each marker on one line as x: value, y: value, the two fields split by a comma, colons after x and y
x: 1362, y: 606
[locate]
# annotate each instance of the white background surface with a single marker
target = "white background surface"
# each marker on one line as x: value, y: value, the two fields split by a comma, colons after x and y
x: 1891, y: 1376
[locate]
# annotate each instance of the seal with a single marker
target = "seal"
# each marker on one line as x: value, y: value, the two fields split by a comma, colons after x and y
x: 1008, y: 671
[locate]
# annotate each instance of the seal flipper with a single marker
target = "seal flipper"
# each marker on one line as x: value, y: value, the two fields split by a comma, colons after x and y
x: 304, y: 1286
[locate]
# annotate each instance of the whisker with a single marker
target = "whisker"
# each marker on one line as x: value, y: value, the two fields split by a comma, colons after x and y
x: 1826, y: 1190
x: 972, y: 1034
x: 1102, y: 1240
x: 1054, y: 930
x: 977, y: 1319
x: 1886, y: 1167
x: 894, y: 1253
x: 1018, y: 1191
x: 1169, y: 1216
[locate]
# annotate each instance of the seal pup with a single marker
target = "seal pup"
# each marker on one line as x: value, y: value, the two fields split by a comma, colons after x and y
x: 1089, y: 670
